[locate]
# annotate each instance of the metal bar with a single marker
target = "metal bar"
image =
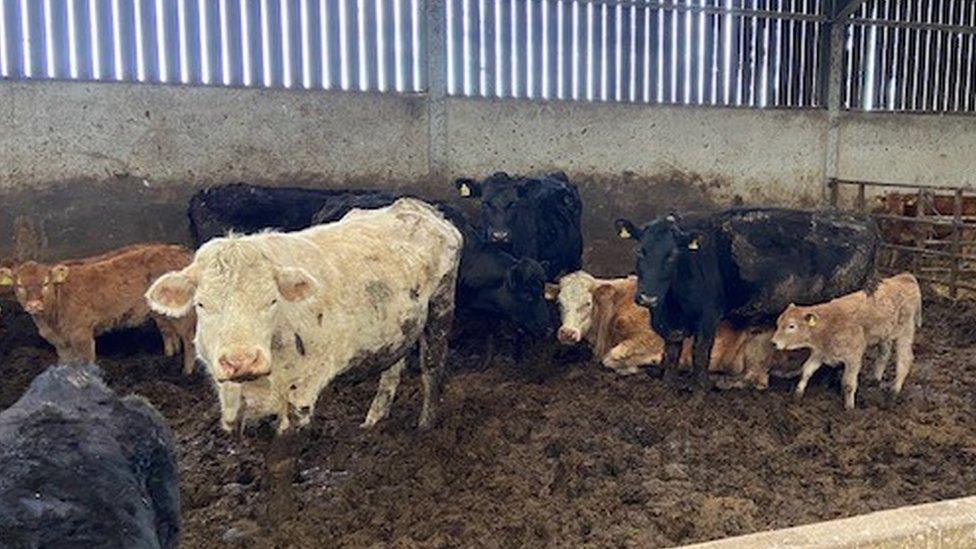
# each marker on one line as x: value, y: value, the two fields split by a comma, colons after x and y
x: 388, y: 34
x: 520, y: 53
x: 684, y: 7
x: 844, y: 10
x: 535, y: 47
x: 625, y: 40
x: 612, y: 52
x: 940, y: 221
x: 926, y: 251
x: 909, y: 185
x: 860, y: 198
x: 565, y: 52
x: 505, y: 48
x: 956, y: 241
x: 489, y: 48
x: 963, y: 29
x: 640, y: 54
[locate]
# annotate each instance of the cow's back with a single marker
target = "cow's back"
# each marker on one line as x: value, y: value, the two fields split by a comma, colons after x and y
x: 771, y: 257
x: 85, y: 468
x: 107, y: 291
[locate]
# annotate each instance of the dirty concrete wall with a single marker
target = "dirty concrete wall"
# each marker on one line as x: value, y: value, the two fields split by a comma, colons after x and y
x: 87, y: 167
x: 635, y: 161
x: 926, y: 149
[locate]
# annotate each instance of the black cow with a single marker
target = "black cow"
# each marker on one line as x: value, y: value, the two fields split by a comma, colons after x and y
x: 491, y: 281
x: 245, y: 208
x: 82, y: 467
x: 532, y: 217
x: 746, y: 266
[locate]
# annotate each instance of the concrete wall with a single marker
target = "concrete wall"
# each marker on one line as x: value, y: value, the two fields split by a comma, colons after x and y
x: 87, y: 167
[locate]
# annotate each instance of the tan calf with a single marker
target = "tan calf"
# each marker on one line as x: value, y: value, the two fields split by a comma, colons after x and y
x: 840, y: 330
x: 603, y: 312
x: 73, y: 301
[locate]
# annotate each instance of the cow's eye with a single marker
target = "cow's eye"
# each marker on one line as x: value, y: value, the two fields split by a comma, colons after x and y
x: 791, y: 327
x: 200, y: 306
x: 273, y: 303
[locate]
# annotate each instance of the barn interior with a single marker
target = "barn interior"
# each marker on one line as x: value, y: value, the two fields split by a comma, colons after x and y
x: 115, y: 113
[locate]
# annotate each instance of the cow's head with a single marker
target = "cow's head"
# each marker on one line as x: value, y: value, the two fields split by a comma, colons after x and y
x: 500, y: 197
x: 518, y: 296
x: 35, y: 284
x: 661, y: 244
x: 239, y: 295
x: 795, y: 328
x: 578, y: 294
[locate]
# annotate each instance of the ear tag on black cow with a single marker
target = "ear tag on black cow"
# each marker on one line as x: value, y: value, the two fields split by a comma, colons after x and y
x: 464, y: 189
x: 693, y: 245
x: 624, y: 233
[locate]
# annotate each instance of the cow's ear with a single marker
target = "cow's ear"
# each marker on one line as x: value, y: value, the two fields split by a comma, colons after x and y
x: 172, y: 294
x: 468, y: 188
x: 59, y: 274
x: 6, y: 277
x: 811, y: 319
x: 552, y: 291
x: 603, y: 293
x: 295, y: 284
x: 626, y: 229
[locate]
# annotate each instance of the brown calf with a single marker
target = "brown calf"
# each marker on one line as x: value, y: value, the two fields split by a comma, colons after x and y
x: 603, y: 312
x: 73, y: 301
x: 842, y: 329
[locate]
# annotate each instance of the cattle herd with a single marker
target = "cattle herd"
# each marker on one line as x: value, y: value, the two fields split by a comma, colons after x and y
x: 289, y: 288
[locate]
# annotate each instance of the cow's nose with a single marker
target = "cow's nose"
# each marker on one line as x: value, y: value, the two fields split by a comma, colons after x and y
x: 568, y: 335
x: 645, y: 300
x: 240, y: 362
x: 499, y: 236
x: 34, y: 306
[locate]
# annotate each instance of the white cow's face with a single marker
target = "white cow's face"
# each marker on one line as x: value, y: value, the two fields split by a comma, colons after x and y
x: 575, y: 306
x: 237, y: 293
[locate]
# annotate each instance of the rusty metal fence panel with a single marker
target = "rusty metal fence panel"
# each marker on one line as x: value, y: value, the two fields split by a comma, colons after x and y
x: 929, y: 230
x: 323, y: 44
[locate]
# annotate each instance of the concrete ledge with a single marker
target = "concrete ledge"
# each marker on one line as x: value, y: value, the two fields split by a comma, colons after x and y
x: 944, y: 524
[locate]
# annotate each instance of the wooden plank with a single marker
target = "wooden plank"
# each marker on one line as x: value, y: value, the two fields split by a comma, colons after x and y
x: 388, y: 52
x: 520, y: 54
x: 640, y: 54
x: 505, y: 41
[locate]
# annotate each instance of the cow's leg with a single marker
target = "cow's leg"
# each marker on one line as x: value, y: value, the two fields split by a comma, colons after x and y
x: 882, y: 361
x: 672, y: 355
x: 810, y: 367
x: 433, y: 350
x: 380, y: 407
x: 904, y: 357
x: 187, y: 331
x: 170, y: 337
x: 82, y: 343
x: 852, y: 367
x: 231, y: 406
x: 702, y: 351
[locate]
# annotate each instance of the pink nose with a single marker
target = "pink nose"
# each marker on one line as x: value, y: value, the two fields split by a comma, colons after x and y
x: 568, y: 335
x: 240, y: 362
x: 34, y: 306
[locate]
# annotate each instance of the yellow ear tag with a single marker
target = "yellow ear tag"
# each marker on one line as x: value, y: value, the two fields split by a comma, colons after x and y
x: 6, y: 280
x: 812, y: 321
x: 693, y: 245
x: 624, y: 233
x: 464, y: 189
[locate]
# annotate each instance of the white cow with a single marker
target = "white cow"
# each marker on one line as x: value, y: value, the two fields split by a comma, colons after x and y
x: 280, y: 315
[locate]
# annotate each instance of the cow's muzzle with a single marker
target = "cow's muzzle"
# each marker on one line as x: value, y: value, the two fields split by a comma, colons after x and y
x: 499, y: 236
x: 34, y: 307
x: 242, y: 365
x: 568, y: 336
x: 645, y: 300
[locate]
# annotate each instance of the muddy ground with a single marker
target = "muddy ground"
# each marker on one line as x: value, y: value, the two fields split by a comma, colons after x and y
x: 557, y: 452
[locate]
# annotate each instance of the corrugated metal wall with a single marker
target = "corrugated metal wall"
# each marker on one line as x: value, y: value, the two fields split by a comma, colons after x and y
x: 920, y: 58
x: 718, y: 52
x: 913, y: 55
x: 330, y: 44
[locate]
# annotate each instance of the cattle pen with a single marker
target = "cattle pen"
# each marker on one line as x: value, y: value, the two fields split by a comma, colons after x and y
x: 487, y: 273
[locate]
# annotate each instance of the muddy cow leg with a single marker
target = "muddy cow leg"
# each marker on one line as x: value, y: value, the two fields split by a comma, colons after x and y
x: 389, y: 381
x: 433, y: 350
x: 882, y: 361
x: 810, y: 367
x: 82, y: 345
x: 904, y: 357
x: 672, y: 355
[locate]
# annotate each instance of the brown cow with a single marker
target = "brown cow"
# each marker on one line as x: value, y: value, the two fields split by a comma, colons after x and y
x: 904, y: 232
x: 840, y: 330
x: 603, y: 312
x: 73, y: 301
